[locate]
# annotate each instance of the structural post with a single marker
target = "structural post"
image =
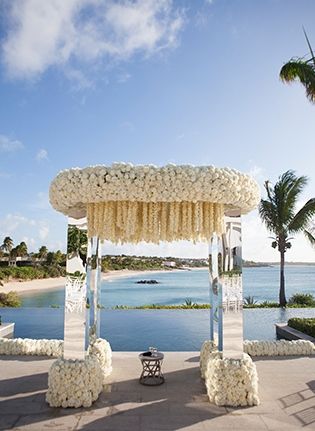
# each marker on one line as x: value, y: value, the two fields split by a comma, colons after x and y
x: 75, y: 293
x: 226, y: 293
x: 94, y: 269
x: 215, y: 291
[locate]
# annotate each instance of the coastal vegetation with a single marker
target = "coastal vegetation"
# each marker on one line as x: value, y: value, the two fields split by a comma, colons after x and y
x: 16, y: 263
x: 278, y: 212
x: 305, y: 325
x: 10, y: 299
x: 249, y: 300
x: 298, y: 300
x: 303, y: 299
x: 12, y: 252
x: 25, y: 273
x: 143, y: 263
x: 163, y: 307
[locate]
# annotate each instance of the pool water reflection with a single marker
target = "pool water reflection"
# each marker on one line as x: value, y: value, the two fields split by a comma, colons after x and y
x: 136, y: 330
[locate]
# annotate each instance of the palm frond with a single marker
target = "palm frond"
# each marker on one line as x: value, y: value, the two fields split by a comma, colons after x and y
x: 281, y: 190
x: 304, y: 72
x: 310, y: 237
x: 285, y: 195
x: 309, y: 46
x: 295, y: 190
x: 268, y: 214
x: 302, y: 218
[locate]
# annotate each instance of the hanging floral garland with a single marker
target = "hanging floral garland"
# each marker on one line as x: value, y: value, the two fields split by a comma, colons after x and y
x: 125, y: 221
x: 126, y: 203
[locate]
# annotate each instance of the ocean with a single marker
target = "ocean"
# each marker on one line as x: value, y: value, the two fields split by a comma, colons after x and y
x: 169, y: 330
x: 175, y: 287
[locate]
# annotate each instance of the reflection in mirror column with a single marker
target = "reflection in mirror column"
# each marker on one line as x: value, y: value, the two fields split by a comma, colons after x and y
x: 75, y: 295
x: 94, y: 285
x: 232, y: 291
x: 215, y: 289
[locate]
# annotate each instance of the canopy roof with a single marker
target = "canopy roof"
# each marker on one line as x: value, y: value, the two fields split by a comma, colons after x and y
x: 133, y: 203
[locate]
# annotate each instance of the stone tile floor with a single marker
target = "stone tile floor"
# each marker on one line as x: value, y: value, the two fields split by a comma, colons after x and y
x: 287, y: 392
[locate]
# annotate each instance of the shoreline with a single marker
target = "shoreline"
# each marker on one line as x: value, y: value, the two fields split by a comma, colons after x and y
x: 29, y: 287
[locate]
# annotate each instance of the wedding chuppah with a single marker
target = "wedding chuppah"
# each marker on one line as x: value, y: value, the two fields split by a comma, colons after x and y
x: 123, y: 203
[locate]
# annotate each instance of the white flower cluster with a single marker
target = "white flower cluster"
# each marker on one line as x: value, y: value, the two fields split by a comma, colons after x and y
x: 74, y: 383
x: 27, y: 346
x: 207, y: 348
x: 72, y: 189
x: 101, y: 350
x: 279, y: 348
x: 231, y: 382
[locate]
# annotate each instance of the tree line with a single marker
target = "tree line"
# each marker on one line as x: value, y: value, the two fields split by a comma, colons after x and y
x: 7, y: 249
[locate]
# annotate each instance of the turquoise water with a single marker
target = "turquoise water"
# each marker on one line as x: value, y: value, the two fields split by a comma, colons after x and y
x: 175, y: 287
x: 170, y: 330
x: 136, y: 330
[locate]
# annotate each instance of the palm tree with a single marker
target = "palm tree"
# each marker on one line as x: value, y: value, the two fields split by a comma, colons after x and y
x: 42, y: 252
x: 279, y: 215
x: 304, y: 70
x: 7, y: 246
x: 22, y: 249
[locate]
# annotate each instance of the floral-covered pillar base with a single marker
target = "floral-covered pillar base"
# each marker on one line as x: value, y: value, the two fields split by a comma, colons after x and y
x: 231, y: 382
x: 100, y: 349
x: 74, y: 383
x: 207, y: 348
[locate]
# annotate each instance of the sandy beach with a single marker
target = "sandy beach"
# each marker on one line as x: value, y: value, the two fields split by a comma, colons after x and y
x: 34, y: 286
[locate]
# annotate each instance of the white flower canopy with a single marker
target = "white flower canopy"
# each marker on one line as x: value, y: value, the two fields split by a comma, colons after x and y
x: 126, y: 203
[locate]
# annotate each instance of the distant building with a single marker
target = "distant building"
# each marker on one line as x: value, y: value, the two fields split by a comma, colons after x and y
x: 169, y: 263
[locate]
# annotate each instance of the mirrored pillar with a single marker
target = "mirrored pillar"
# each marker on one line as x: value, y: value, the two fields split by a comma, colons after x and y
x: 215, y: 290
x: 75, y: 291
x: 94, y: 271
x: 226, y: 293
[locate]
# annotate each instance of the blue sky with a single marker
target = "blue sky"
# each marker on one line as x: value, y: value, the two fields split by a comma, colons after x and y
x: 89, y: 82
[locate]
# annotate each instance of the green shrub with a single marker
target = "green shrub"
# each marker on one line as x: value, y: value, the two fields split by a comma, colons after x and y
x: 162, y: 307
x: 249, y: 300
x: 264, y: 304
x: 10, y: 299
x: 31, y: 273
x: 306, y: 325
x: 303, y: 299
x: 267, y: 304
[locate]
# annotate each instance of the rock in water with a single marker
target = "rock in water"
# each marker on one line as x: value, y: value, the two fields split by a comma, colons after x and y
x: 147, y: 282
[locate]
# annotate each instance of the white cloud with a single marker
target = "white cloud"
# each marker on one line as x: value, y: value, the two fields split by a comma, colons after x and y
x: 8, y: 145
x: 35, y: 232
x: 11, y: 222
x: 257, y: 172
x: 42, y: 34
x: 42, y: 154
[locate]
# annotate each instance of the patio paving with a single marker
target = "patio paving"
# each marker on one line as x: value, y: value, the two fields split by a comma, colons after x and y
x: 287, y: 392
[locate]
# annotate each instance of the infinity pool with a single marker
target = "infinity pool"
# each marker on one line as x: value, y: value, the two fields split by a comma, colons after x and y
x: 135, y: 330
